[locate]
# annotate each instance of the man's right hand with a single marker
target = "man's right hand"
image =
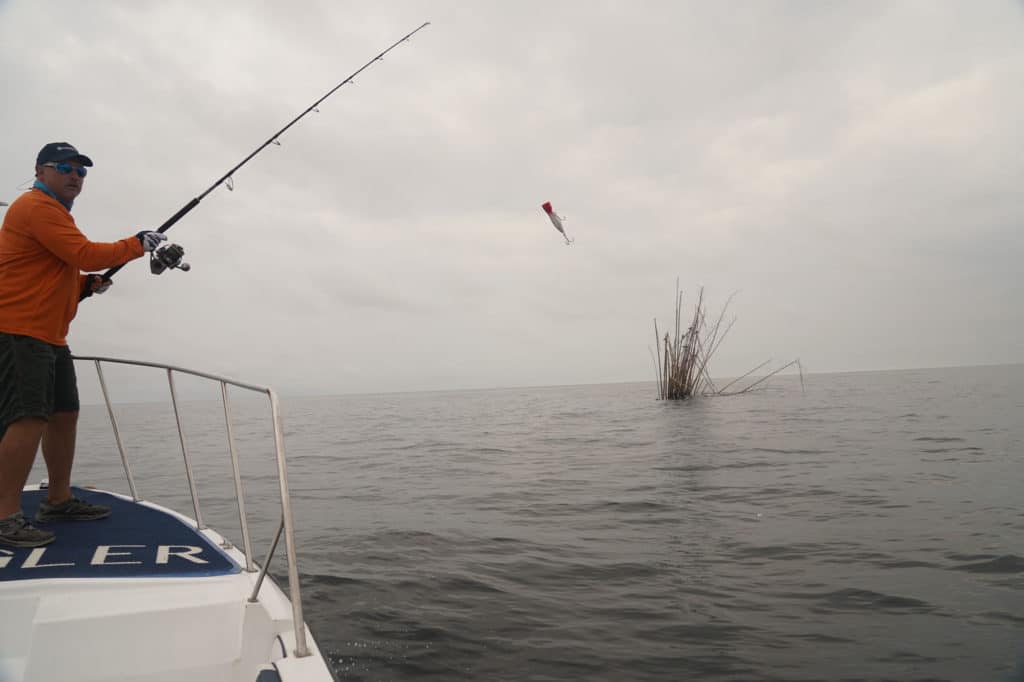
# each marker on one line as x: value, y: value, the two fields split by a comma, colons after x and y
x: 150, y: 240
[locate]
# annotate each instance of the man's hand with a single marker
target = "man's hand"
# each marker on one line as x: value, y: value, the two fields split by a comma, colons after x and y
x: 95, y: 284
x: 98, y: 284
x: 150, y: 240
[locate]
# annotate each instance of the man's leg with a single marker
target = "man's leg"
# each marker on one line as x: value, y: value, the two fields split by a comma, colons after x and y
x: 59, y: 449
x: 26, y: 398
x: 17, y: 452
x: 59, y: 453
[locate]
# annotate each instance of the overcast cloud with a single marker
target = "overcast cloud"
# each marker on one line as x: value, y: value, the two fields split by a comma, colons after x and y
x: 851, y: 169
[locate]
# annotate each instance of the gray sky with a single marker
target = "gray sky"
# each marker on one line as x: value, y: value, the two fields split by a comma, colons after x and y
x: 851, y: 169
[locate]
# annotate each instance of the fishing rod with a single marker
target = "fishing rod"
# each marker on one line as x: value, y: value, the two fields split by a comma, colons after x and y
x: 169, y: 256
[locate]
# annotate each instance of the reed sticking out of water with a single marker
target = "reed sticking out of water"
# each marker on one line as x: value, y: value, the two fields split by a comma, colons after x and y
x: 682, y: 360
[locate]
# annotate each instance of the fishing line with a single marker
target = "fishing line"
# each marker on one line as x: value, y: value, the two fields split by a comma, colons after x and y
x: 227, y: 180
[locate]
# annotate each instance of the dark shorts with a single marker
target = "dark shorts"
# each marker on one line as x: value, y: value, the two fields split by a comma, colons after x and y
x: 36, y: 379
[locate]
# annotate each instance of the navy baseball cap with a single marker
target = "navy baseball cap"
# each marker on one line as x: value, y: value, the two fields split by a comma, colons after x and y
x: 61, y: 151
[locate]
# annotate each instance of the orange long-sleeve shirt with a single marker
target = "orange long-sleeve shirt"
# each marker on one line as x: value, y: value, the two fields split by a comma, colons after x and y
x: 42, y: 256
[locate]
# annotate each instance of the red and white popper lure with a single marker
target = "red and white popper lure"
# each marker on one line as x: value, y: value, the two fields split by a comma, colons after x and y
x: 556, y: 220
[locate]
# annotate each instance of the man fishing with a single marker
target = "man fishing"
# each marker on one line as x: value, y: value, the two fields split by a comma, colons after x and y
x: 42, y: 257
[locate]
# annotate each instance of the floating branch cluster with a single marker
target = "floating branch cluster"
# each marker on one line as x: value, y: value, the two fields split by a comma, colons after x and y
x: 682, y: 359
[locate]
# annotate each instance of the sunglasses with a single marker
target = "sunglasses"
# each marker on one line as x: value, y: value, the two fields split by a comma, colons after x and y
x: 66, y: 168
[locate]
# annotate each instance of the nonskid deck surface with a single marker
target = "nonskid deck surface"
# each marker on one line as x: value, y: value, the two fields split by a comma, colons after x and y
x: 134, y: 541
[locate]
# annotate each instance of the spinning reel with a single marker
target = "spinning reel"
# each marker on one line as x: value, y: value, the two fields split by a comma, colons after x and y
x: 168, y: 257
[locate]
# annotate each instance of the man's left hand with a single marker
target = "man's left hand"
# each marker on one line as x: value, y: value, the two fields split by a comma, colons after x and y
x: 95, y: 284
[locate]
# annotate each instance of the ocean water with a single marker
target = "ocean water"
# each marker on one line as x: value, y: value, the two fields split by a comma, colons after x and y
x: 865, y: 526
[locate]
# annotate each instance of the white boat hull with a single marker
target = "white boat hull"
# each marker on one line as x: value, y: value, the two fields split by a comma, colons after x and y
x: 79, y: 621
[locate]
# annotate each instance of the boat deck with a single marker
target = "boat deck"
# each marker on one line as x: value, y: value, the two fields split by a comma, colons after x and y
x: 139, y: 596
x: 136, y: 540
x: 151, y: 595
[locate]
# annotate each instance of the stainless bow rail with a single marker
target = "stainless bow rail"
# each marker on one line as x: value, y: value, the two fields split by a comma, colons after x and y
x: 286, y: 525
